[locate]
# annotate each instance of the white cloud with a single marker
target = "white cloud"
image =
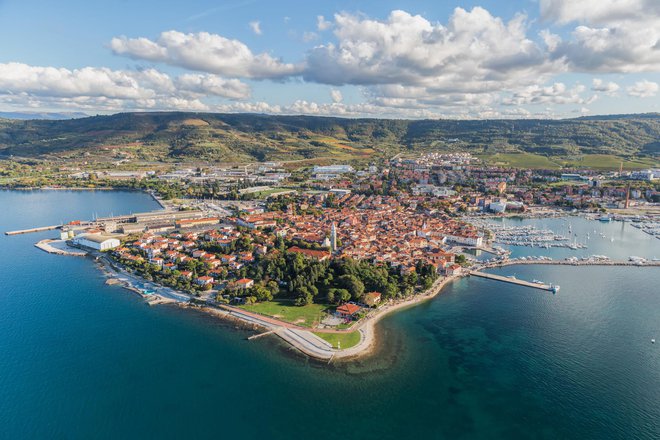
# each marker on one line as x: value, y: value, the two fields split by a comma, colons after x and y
x: 597, y: 11
x: 22, y: 84
x: 204, y: 52
x: 475, y: 52
x: 556, y: 93
x: 255, y: 26
x: 643, y: 89
x: 205, y: 84
x: 598, y: 85
x: 473, y: 65
x: 551, y: 40
x: 322, y: 24
x: 612, y: 35
x: 309, y: 36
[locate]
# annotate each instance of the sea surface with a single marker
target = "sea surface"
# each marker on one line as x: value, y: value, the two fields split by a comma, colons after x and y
x: 484, y: 360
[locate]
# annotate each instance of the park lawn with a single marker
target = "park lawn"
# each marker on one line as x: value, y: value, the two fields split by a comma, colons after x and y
x: 347, y: 340
x: 304, y: 316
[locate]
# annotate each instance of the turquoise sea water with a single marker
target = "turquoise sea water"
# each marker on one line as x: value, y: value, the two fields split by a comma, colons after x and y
x: 79, y: 359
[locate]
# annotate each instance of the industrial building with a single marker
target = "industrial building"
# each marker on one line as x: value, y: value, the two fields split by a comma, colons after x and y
x: 97, y: 242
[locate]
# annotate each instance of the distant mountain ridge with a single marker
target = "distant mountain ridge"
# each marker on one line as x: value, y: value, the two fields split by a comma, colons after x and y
x: 186, y: 136
x: 42, y: 115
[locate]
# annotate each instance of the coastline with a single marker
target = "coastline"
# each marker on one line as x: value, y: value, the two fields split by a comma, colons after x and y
x: 369, y: 338
x: 303, y: 339
x: 311, y: 345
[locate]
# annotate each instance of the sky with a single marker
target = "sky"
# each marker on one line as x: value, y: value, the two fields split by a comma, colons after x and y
x: 410, y: 59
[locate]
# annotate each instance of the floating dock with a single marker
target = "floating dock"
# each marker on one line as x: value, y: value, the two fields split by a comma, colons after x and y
x: 28, y: 231
x: 490, y: 276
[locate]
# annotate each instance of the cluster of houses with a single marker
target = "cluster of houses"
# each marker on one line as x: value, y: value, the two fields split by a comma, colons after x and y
x: 172, y: 251
x: 380, y: 229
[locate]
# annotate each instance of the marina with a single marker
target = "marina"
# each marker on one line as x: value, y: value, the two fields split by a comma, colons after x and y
x: 529, y: 235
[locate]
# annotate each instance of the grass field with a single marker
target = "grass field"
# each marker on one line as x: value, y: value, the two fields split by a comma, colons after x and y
x: 596, y: 161
x: 305, y: 316
x: 347, y: 340
x: 609, y: 161
x: 520, y: 160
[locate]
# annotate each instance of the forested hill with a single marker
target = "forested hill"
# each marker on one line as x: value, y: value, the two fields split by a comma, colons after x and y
x: 239, y: 137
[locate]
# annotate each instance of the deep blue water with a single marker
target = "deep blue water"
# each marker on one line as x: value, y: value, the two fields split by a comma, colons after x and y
x: 79, y: 359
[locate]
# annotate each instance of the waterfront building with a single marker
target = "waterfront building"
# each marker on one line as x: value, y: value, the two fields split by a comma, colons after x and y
x: 372, y: 298
x: 470, y: 240
x: 347, y: 310
x: 97, y: 242
x: 497, y: 207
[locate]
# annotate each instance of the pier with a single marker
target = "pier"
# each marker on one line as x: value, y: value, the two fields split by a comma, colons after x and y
x: 491, y: 276
x: 608, y: 262
x: 28, y: 231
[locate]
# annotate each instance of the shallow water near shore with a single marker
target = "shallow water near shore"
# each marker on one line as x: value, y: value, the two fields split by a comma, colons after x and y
x: 80, y: 359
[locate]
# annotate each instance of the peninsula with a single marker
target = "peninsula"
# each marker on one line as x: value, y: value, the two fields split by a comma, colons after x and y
x: 318, y: 259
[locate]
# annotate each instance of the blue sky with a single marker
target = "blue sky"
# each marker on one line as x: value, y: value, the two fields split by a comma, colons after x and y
x: 409, y: 59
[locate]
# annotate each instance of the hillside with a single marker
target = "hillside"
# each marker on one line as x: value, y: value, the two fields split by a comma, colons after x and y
x: 175, y: 136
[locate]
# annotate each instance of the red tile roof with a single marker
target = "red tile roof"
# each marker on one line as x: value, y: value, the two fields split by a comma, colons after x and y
x: 348, y: 309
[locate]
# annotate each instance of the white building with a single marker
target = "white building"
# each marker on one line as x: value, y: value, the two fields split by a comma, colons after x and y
x: 497, y: 206
x: 98, y: 242
x: 331, y: 172
x: 437, y: 191
x: 333, y: 169
x: 473, y: 240
x: 649, y: 175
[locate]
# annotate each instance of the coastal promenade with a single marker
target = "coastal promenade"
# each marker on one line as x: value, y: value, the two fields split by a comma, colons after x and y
x: 305, y: 341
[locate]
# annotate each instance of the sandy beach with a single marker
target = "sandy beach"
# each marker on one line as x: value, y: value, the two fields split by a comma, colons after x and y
x: 367, y: 328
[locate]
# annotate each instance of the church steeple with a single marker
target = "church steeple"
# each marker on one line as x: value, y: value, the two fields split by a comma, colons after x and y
x: 333, y: 238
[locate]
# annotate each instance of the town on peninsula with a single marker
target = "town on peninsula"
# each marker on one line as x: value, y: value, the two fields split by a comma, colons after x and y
x: 317, y: 254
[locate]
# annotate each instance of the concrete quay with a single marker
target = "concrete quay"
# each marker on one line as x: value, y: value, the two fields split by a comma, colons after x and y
x: 28, y: 231
x: 59, y: 247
